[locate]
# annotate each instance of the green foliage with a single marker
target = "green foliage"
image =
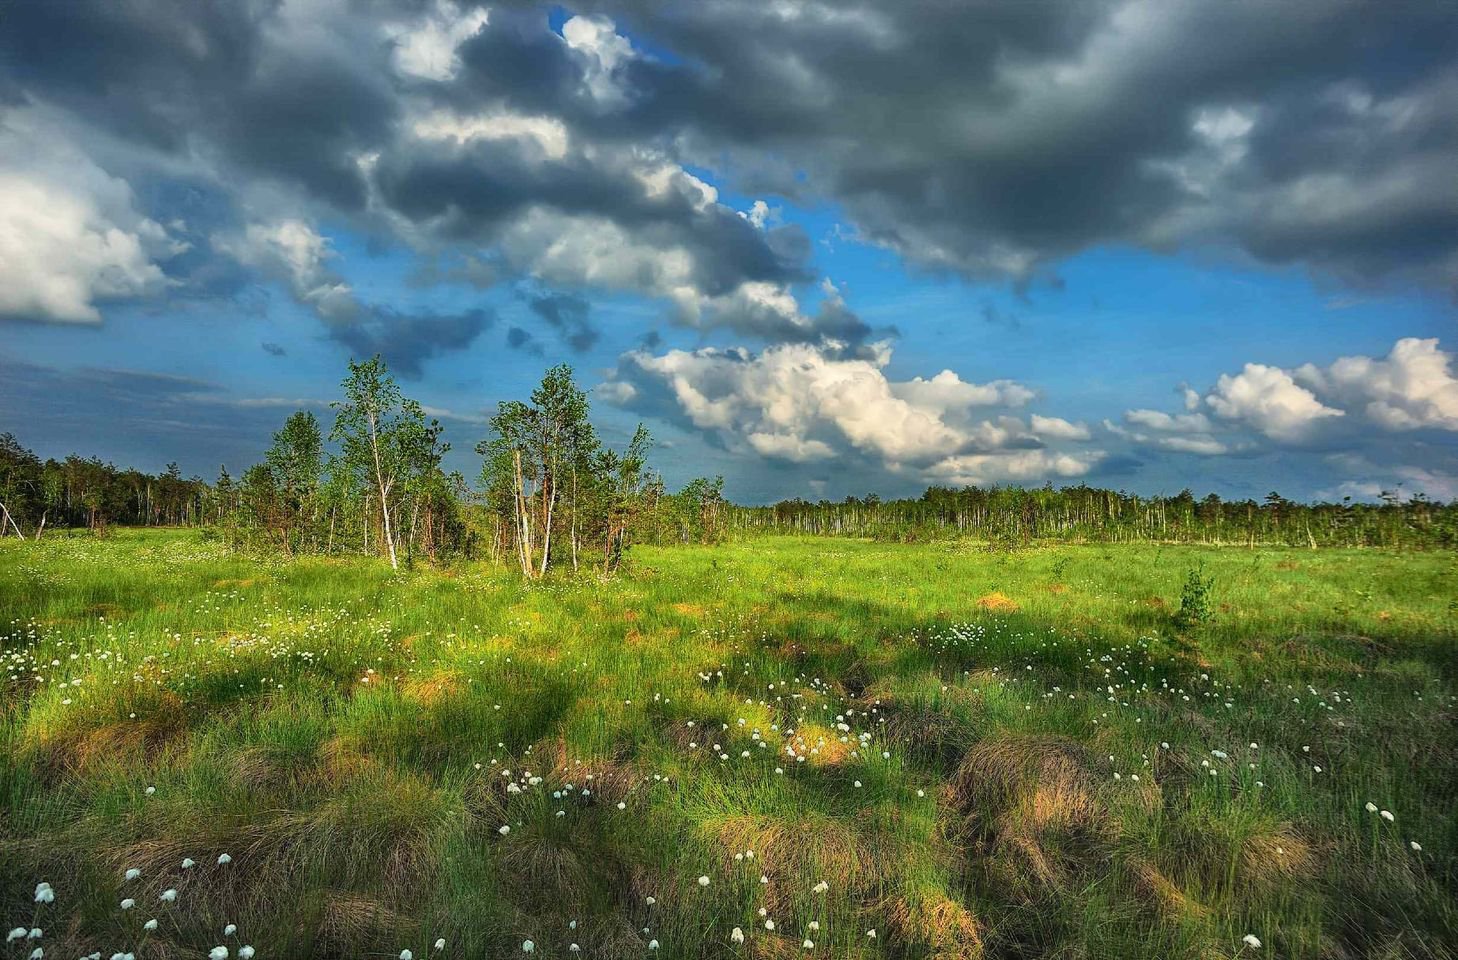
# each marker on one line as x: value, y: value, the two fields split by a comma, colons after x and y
x: 1197, y: 606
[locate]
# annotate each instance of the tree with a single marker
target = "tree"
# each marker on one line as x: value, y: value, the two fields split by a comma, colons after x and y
x: 385, y: 436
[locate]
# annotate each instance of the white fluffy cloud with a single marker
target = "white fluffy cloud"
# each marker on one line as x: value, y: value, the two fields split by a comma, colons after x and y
x: 801, y: 403
x: 295, y: 253
x: 1412, y: 387
x: 70, y: 233
x: 426, y: 49
x: 1270, y: 401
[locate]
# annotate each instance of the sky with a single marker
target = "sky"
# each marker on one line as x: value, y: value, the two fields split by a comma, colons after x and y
x: 819, y: 248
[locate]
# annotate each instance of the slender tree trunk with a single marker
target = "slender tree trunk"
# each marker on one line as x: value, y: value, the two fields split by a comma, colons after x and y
x: 12, y: 522
x: 547, y: 525
x: 384, y: 491
x: 574, y: 517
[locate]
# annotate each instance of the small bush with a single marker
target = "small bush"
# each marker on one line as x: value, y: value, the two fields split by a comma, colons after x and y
x: 1196, y: 606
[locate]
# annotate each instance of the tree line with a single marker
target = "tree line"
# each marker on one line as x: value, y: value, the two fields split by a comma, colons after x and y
x: 1074, y: 513
x: 551, y: 493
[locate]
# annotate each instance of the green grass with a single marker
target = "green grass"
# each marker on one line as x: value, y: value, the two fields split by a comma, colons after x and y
x: 996, y: 753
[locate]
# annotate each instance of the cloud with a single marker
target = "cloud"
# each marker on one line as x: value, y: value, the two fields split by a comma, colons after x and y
x: 1268, y: 399
x: 798, y: 403
x: 1056, y: 428
x: 1412, y: 388
x: 1358, y: 402
x: 407, y: 340
x: 294, y: 253
x: 71, y: 236
x: 273, y: 349
x: 568, y: 315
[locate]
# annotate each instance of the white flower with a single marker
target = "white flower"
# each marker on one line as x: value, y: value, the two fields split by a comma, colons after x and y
x: 504, y: 829
x: 808, y: 944
x: 737, y: 935
x: 169, y: 895
x: 814, y: 926
x: 37, y: 953
x: 151, y: 790
x: 769, y: 924
x: 218, y: 953
x: 440, y: 944
x: 132, y: 874
x: 703, y: 881
x: 406, y: 955
x: 1415, y: 845
x: 150, y: 925
x: 224, y: 858
x: 821, y: 887
x: 1371, y: 807
x: 44, y: 893
x: 188, y: 863
x: 1252, y: 941
x: 128, y: 903
x: 527, y: 946
x: 245, y: 953
x: 871, y: 933
x: 35, y: 933
x: 1387, y: 815
x: 650, y: 900
x: 17, y: 934
x: 652, y: 944
x: 573, y: 948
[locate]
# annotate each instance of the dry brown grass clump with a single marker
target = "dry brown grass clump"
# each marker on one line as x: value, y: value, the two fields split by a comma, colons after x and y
x: 937, y: 924
x: 1034, y: 806
x: 998, y: 602
x: 432, y: 688
x: 351, y: 924
x: 822, y: 746
x: 788, y: 850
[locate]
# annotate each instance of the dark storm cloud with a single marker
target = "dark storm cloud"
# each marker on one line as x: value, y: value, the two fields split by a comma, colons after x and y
x: 993, y: 139
x: 519, y: 339
x: 569, y: 316
x: 986, y: 139
x: 407, y: 340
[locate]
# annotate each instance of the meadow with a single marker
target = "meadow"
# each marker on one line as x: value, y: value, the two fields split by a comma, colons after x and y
x: 771, y: 748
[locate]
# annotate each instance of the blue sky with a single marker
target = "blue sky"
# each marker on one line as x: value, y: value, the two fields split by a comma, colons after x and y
x: 767, y: 253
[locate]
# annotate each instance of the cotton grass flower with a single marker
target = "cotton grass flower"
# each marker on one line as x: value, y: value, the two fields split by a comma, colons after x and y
x: 169, y: 895
x: 16, y: 934
x: 1387, y: 815
x: 704, y: 881
x: 527, y: 946
x: 188, y: 863
x: 1252, y: 941
x: 128, y: 903
x: 44, y: 893
x: 230, y: 929
x: 224, y: 859
x: 652, y: 944
x: 150, y: 925
x: 736, y: 935
x: 406, y: 955
x: 218, y: 953
x: 440, y: 944
x: 132, y: 874
x: 245, y: 953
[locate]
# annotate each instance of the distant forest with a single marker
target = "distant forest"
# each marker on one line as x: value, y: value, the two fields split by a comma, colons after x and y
x: 551, y: 494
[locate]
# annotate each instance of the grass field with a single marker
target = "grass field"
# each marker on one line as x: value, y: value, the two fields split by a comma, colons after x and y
x: 968, y: 752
